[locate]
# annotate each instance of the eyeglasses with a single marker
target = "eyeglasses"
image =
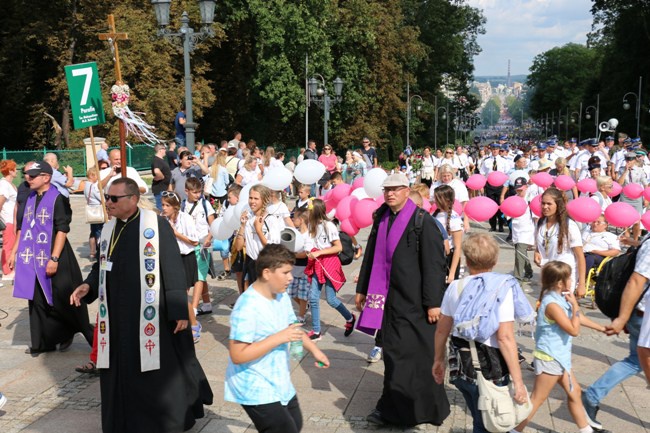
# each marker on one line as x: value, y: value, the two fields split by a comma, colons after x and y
x: 170, y: 194
x: 366, y: 142
x: 449, y: 153
x: 393, y: 189
x: 327, y: 148
x: 115, y: 198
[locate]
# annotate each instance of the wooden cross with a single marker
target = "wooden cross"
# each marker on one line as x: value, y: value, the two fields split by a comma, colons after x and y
x: 112, y: 37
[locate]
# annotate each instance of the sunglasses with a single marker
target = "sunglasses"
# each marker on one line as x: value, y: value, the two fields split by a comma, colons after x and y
x: 115, y: 198
x: 449, y: 153
x: 170, y: 194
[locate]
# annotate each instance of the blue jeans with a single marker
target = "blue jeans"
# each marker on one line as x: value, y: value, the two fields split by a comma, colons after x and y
x: 620, y: 371
x: 158, y: 198
x: 470, y: 394
x: 332, y: 300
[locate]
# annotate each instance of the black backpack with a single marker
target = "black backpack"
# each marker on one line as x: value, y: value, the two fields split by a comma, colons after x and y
x: 612, y: 280
x: 347, y: 253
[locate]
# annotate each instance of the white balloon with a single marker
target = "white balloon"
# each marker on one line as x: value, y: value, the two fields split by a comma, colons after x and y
x: 241, y: 207
x: 215, y: 226
x: 331, y: 214
x: 230, y: 219
x: 243, y: 195
x: 360, y: 194
x: 309, y: 171
x: 224, y: 232
x: 277, y: 178
x: 372, y: 182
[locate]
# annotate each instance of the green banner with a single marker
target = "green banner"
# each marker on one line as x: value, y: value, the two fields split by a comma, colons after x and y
x: 85, y: 95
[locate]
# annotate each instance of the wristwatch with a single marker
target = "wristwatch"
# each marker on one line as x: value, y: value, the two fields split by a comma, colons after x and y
x: 55, y: 259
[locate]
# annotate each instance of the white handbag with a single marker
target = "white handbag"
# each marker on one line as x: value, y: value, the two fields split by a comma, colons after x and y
x: 94, y: 212
x: 499, y: 411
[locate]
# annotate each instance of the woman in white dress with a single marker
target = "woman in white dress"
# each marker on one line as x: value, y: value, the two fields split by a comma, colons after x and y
x: 558, y: 237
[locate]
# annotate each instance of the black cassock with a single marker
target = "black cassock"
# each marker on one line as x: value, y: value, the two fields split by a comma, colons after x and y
x: 166, y: 400
x: 50, y: 325
x: 417, y: 281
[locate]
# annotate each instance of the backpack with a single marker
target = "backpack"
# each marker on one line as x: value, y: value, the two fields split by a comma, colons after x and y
x: 612, y: 279
x: 347, y: 253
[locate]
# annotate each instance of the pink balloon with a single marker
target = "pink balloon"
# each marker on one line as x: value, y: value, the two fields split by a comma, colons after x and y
x: 646, y: 192
x: 426, y: 205
x: 358, y: 183
x: 362, y: 211
x: 617, y: 188
x: 434, y: 208
x: 380, y: 199
x: 344, y: 208
x: 481, y: 208
x: 621, y: 214
x: 476, y: 182
x: 542, y: 179
x: 341, y: 191
x: 536, y: 205
x: 514, y: 206
x: 458, y: 207
x: 584, y: 209
x: 330, y: 205
x: 645, y: 219
x: 587, y: 185
x: 563, y: 182
x: 497, y: 178
x: 633, y: 191
x: 349, y: 227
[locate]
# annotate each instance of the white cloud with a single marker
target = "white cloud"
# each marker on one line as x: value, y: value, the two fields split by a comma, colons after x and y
x: 520, y: 29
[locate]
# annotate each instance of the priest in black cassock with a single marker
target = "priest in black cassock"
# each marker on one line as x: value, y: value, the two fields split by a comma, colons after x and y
x: 46, y: 268
x: 151, y: 380
x: 400, y: 289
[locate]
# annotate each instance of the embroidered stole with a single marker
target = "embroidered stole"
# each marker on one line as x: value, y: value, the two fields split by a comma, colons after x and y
x: 373, y: 312
x: 149, y: 251
x: 35, y: 246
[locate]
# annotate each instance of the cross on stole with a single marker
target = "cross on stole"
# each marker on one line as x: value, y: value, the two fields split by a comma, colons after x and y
x: 26, y: 255
x: 149, y: 345
x: 42, y: 258
x: 43, y: 216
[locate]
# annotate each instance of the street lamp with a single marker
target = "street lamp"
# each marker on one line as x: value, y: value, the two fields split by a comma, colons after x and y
x: 409, y: 99
x: 596, y: 111
x: 187, y: 38
x: 318, y: 94
x: 444, y: 116
x: 626, y: 105
x: 578, y: 116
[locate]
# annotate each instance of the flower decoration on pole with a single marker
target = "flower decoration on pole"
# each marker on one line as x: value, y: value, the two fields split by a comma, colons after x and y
x: 135, y: 125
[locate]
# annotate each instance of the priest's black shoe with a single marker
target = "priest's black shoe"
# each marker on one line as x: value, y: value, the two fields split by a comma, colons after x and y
x: 65, y: 346
x: 375, y: 417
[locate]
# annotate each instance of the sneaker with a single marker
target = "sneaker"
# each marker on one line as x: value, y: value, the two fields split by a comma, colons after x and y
x: 300, y: 319
x: 357, y: 252
x: 349, y: 326
x: 204, y: 309
x: 313, y: 336
x: 196, y: 332
x: 222, y: 276
x: 3, y: 400
x: 375, y: 354
x: 591, y: 411
x: 375, y: 418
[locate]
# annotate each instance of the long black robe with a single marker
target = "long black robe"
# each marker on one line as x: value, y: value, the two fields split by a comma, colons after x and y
x: 417, y: 281
x: 165, y: 400
x: 50, y: 325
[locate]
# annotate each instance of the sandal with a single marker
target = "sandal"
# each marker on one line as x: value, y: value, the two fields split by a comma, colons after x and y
x: 89, y: 368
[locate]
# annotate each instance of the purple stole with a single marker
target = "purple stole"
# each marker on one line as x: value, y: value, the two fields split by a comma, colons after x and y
x: 35, y: 246
x: 373, y: 312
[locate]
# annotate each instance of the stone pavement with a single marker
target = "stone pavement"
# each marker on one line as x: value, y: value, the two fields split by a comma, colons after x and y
x: 46, y: 394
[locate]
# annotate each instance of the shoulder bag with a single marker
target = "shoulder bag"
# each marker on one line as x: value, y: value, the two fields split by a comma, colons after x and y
x: 94, y: 212
x: 500, y: 413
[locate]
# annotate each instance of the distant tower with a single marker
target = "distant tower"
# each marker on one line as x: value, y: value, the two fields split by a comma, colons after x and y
x: 509, y: 73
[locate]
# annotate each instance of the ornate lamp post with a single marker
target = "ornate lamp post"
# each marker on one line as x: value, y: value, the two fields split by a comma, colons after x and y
x: 318, y: 94
x: 409, y: 101
x: 187, y: 39
x: 596, y: 111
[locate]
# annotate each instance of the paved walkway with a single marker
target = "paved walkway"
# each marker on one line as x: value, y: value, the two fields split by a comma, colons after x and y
x: 46, y: 394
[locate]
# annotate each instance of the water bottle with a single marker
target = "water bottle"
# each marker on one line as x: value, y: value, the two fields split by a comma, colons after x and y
x: 295, y: 348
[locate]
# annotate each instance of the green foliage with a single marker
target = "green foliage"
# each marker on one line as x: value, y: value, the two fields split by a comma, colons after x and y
x: 491, y: 112
x: 251, y: 76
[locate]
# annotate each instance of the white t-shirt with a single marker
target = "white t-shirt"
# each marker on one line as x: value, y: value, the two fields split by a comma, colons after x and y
x: 131, y: 173
x: 455, y: 224
x: 600, y: 241
x: 325, y: 234
x: 523, y: 229
x: 9, y: 193
x: 546, y: 242
x: 185, y: 225
x: 280, y: 211
x: 460, y: 190
x: 450, y: 305
x: 271, y: 229
x: 200, y: 217
x: 247, y: 176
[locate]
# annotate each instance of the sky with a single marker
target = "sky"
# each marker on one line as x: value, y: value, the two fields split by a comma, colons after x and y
x: 520, y: 29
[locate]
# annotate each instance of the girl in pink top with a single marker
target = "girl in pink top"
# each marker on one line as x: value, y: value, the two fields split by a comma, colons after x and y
x: 328, y: 159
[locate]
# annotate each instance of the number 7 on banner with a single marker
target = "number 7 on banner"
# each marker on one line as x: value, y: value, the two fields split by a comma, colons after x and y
x: 85, y: 95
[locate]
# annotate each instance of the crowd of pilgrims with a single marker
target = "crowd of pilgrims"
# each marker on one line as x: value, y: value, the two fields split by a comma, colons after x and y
x: 564, y: 248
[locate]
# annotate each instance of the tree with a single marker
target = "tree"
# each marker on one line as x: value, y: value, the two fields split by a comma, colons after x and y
x: 491, y: 112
